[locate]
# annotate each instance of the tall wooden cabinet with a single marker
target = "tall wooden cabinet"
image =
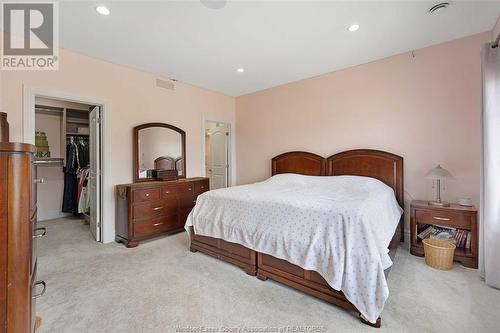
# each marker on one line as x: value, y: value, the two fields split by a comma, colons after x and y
x: 18, y: 233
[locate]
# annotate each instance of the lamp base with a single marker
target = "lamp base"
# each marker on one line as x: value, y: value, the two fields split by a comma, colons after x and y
x: 439, y: 203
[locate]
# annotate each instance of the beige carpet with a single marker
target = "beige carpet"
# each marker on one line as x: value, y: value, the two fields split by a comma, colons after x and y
x: 162, y: 287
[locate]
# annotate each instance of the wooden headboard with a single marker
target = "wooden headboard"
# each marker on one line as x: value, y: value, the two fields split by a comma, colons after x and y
x: 300, y: 162
x: 381, y: 165
x: 164, y: 163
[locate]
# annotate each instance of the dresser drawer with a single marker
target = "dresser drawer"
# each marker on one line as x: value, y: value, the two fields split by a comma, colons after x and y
x: 201, y: 186
x: 170, y: 191
x: 153, y: 209
x: 149, y: 194
x: 187, y: 188
x: 443, y: 217
x: 187, y: 202
x: 155, y: 226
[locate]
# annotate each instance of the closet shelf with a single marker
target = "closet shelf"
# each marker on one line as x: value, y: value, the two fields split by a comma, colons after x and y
x: 49, y: 161
x: 77, y: 121
x: 77, y: 134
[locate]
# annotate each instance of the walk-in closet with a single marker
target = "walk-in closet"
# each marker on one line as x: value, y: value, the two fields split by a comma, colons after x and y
x: 66, y: 159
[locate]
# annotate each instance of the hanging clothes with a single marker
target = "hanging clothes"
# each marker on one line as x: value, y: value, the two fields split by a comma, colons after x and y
x: 76, y: 159
x: 82, y: 197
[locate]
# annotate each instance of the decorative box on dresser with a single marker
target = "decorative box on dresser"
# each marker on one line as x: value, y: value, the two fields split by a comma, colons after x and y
x: 453, y: 216
x: 149, y: 209
x: 18, y: 234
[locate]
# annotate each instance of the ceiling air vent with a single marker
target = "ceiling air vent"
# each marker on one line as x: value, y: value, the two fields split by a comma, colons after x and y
x: 165, y: 84
x: 438, y: 7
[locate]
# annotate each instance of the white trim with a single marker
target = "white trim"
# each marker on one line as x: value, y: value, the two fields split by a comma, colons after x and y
x: 231, y: 149
x: 107, y: 193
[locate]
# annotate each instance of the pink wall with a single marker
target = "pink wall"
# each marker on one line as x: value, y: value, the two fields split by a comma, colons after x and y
x: 133, y: 99
x: 425, y: 108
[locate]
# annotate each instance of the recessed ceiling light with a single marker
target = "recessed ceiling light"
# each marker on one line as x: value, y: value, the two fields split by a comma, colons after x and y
x: 103, y: 10
x: 240, y: 70
x: 439, y: 7
x: 353, y: 27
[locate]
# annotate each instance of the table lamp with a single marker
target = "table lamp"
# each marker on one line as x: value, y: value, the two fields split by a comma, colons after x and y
x: 438, y: 173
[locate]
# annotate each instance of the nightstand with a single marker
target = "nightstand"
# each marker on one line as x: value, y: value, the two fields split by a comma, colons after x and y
x: 454, y: 217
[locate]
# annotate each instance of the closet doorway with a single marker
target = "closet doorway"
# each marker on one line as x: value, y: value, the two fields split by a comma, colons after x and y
x: 68, y: 162
x: 217, y: 156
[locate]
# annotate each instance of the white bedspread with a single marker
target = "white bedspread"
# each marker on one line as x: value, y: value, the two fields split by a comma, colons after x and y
x: 339, y: 226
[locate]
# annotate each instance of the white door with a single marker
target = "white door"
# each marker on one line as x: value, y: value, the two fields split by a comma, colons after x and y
x: 218, y: 165
x: 95, y: 173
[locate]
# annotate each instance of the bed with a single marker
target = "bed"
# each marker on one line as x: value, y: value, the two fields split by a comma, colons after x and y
x: 250, y: 248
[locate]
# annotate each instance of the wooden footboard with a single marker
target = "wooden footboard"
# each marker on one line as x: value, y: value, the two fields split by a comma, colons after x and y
x: 306, y: 281
x: 310, y: 282
x: 233, y: 253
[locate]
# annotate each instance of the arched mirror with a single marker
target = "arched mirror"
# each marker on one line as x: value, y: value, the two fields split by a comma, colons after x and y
x: 158, y: 146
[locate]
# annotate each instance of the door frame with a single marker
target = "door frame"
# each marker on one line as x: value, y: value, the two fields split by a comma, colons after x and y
x: 107, y: 194
x: 230, y: 151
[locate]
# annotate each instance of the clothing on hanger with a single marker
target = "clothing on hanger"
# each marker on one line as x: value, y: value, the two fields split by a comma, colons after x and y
x: 76, y: 159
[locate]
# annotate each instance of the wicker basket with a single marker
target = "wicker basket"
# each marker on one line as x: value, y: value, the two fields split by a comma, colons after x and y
x: 439, y: 253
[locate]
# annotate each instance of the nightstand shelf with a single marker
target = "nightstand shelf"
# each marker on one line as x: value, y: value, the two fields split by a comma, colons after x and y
x: 454, y: 216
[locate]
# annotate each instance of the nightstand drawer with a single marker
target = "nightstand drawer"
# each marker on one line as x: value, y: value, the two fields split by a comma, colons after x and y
x: 443, y: 218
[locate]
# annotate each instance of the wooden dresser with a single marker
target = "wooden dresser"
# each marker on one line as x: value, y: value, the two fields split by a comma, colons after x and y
x: 18, y: 234
x: 149, y: 209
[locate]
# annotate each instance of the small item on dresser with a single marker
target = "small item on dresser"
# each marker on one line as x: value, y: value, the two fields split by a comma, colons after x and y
x: 466, y: 202
x: 165, y: 174
x: 4, y: 127
x: 439, y: 253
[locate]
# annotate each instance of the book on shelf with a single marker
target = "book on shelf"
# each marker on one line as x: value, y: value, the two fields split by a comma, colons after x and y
x: 460, y: 237
x: 425, y: 232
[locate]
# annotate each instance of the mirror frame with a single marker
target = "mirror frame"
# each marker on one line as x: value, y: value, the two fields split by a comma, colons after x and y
x: 136, y: 148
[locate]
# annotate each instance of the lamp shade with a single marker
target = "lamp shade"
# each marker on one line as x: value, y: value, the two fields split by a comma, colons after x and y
x: 438, y: 173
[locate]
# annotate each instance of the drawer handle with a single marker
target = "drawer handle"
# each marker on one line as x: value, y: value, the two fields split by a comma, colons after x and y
x: 189, y: 188
x: 39, y: 180
x: 157, y: 224
x: 37, y: 283
x: 147, y: 194
x: 158, y: 208
x: 167, y: 192
x: 440, y: 218
x: 194, y: 201
x: 38, y: 235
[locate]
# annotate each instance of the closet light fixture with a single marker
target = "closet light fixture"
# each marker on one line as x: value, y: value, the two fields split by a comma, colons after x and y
x: 103, y: 10
x: 353, y: 27
x: 240, y: 70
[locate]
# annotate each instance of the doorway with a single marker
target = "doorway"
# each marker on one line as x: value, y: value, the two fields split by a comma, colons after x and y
x: 217, y: 153
x: 68, y: 162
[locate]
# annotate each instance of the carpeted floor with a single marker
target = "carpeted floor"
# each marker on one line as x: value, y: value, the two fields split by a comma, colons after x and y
x: 162, y: 287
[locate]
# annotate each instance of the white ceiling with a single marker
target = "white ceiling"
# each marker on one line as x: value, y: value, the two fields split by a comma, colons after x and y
x: 275, y: 41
